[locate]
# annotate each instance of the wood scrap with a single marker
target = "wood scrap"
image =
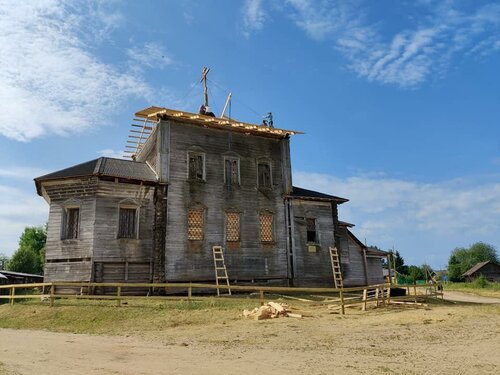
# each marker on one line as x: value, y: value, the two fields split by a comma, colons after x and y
x: 270, y: 310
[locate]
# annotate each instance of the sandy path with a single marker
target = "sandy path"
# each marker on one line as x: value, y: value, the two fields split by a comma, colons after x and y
x: 445, y: 340
x: 466, y: 297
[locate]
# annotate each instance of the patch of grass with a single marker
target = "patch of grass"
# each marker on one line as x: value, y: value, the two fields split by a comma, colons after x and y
x: 104, y: 317
x: 4, y: 371
x: 480, y: 287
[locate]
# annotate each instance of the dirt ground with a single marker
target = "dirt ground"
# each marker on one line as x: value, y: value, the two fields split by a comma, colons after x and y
x: 440, y: 339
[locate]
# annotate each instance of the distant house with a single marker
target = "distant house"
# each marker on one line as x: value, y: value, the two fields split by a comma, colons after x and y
x: 10, y: 277
x: 490, y: 270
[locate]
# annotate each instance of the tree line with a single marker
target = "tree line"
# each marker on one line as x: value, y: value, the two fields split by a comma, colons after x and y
x: 461, y: 259
x: 30, y: 255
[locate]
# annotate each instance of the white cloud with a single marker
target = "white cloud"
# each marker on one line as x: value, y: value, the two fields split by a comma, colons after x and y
x: 150, y: 55
x: 409, y: 56
x: 50, y: 82
x: 118, y: 154
x: 18, y: 209
x: 22, y: 173
x: 386, y: 209
x: 254, y: 17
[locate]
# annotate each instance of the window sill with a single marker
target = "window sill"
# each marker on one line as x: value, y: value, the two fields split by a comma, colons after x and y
x: 196, y: 181
x: 69, y: 241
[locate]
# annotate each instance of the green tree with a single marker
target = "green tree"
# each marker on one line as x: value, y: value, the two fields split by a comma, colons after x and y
x: 4, y: 259
x: 399, y: 262
x: 30, y: 256
x: 25, y: 260
x: 416, y: 273
x: 462, y: 259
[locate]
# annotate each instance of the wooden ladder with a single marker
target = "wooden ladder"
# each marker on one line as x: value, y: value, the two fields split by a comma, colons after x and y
x: 220, y: 268
x: 337, y: 272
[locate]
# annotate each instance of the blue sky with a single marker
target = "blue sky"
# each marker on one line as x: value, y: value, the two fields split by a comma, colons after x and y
x: 399, y: 100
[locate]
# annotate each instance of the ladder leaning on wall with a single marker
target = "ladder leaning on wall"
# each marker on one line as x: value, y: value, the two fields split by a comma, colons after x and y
x: 220, y: 269
x: 337, y: 272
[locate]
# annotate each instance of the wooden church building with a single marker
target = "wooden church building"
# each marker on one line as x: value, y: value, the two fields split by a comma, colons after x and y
x: 196, y: 181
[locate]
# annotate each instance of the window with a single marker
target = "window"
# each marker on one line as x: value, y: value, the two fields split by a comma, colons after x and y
x: 232, y: 226
x: 266, y: 227
x: 264, y: 174
x: 71, y: 223
x: 195, y: 224
x: 311, y: 230
x: 196, y: 166
x: 127, y: 223
x: 232, y: 171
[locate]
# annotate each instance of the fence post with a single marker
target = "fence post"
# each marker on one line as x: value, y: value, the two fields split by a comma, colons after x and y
x: 388, y: 296
x: 415, y: 291
x: 12, y: 293
x: 52, y: 292
x: 261, y: 292
x: 118, y: 294
x: 190, y: 291
x: 342, y: 307
x: 365, y: 297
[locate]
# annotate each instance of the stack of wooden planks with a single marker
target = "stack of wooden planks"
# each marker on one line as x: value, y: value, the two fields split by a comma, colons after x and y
x: 270, y: 310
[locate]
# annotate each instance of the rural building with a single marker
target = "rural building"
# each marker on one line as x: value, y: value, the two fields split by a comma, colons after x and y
x: 490, y: 270
x: 196, y: 181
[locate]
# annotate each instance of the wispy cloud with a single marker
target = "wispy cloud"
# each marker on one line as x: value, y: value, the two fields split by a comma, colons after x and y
x: 422, y: 49
x: 383, y: 207
x: 22, y: 173
x: 149, y: 55
x: 254, y: 17
x: 111, y: 153
x: 18, y: 209
x: 50, y: 81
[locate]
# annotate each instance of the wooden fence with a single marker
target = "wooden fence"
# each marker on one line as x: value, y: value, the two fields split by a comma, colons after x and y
x: 379, y: 294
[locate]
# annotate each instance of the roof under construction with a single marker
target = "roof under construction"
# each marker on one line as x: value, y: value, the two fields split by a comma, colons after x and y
x: 156, y: 114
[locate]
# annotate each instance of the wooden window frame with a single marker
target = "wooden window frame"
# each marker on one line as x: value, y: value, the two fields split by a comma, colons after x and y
x: 238, y: 168
x: 271, y: 231
x: 201, y: 210
x: 136, y: 221
x: 315, y: 231
x: 203, y: 158
x: 264, y: 161
x: 227, y: 229
x: 64, y: 222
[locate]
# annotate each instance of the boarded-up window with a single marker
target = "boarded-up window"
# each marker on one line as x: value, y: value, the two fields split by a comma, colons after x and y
x: 195, y: 224
x: 127, y: 227
x: 311, y: 230
x: 232, y: 227
x: 71, y: 223
x: 266, y: 228
x: 232, y: 171
x: 196, y: 166
x: 264, y: 174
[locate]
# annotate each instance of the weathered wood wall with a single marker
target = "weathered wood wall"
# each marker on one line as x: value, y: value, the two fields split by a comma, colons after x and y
x: 70, y: 260
x: 249, y: 259
x: 312, y: 268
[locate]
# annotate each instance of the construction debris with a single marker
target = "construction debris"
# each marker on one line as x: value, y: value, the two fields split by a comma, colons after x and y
x: 270, y: 310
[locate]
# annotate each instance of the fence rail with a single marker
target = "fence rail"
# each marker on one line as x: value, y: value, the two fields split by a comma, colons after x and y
x: 380, y: 294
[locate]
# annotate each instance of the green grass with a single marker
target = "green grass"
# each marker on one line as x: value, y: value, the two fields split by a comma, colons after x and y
x: 479, y: 287
x: 104, y: 317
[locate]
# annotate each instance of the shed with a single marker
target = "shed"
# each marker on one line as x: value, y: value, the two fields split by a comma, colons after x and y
x: 490, y: 270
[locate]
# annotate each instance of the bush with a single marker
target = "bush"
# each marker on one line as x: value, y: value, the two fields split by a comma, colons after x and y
x: 480, y: 282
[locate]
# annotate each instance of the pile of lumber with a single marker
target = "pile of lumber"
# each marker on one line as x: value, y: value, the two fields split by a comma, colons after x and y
x: 270, y: 310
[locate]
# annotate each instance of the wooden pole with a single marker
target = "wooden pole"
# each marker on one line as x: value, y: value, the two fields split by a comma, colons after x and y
x: 365, y: 296
x: 261, y: 297
x: 342, y: 302
x: 52, y: 299
x: 415, y: 292
x: 190, y: 292
x: 12, y: 293
x: 118, y: 294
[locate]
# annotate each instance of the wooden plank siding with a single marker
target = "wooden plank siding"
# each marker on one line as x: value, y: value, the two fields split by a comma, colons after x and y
x: 249, y: 259
x: 312, y: 268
